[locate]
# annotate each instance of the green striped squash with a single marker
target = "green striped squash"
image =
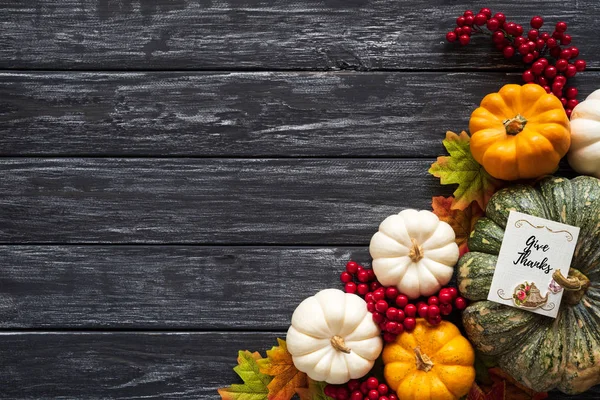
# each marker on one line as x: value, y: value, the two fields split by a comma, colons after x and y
x: 541, y: 352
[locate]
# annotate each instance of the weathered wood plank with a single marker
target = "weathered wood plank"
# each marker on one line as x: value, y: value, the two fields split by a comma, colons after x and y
x: 131, y: 365
x: 163, y: 287
x: 274, y: 34
x: 240, y: 114
x: 212, y: 201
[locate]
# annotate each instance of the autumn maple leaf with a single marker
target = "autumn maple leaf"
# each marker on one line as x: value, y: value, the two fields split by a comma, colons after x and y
x: 314, y: 391
x: 474, y: 183
x: 286, y: 378
x: 255, y: 385
x: 462, y: 221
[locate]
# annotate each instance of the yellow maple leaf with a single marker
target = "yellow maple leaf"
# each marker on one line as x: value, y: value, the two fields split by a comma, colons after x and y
x: 286, y: 378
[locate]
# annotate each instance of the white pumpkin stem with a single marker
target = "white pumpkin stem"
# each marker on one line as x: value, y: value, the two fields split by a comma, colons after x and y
x: 424, y: 363
x: 515, y: 125
x: 416, y: 252
x: 337, y: 342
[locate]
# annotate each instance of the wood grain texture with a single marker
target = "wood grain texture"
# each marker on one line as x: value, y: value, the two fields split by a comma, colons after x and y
x: 163, y: 287
x: 136, y: 365
x: 211, y: 201
x: 241, y: 114
x: 273, y: 34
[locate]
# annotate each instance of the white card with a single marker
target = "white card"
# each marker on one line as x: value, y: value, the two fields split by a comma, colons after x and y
x: 532, y: 249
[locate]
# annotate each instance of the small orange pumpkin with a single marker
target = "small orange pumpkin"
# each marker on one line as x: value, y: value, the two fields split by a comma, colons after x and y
x: 521, y: 132
x: 430, y: 363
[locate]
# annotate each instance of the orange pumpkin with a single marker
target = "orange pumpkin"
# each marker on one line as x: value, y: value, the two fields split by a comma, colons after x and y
x: 521, y: 132
x: 430, y: 363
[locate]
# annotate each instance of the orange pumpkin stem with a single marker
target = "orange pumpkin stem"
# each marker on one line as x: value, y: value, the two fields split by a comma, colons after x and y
x: 416, y: 252
x: 337, y: 342
x: 423, y: 362
x: 515, y: 125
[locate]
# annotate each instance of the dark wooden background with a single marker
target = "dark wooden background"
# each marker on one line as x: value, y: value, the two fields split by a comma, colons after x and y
x: 177, y: 175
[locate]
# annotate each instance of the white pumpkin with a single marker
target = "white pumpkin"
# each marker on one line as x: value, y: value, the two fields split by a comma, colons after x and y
x: 584, y: 154
x: 333, y: 337
x: 414, y: 251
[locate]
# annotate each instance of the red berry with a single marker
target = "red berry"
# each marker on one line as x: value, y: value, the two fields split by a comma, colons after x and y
x: 350, y: 287
x: 381, y: 306
x: 345, y: 277
x: 561, y: 26
x: 445, y: 297
x: 353, y: 384
x: 500, y: 17
x: 468, y: 12
x: 409, y: 324
x: 498, y: 37
x: 399, y: 329
x: 539, y: 44
x: 566, y: 39
x: 356, y: 395
x: 433, y: 300
x: 392, y: 397
x: 572, y: 103
x: 528, y: 58
x: 373, y: 395
x: 565, y: 54
x: 364, y: 388
x: 410, y: 310
x: 531, y: 45
x: 557, y: 90
x: 563, y: 100
x: 391, y: 313
x: 383, y: 398
x: 571, y: 92
x: 422, y: 310
x: 466, y: 30
x: 401, y: 301
x: 371, y: 275
x: 547, y: 88
x: 544, y: 35
x: 351, y: 267
x: 533, y: 34
x: 373, y: 286
x: 480, y: 19
x: 445, y: 308
x: 519, y: 41
x: 568, y: 111
x: 542, y: 80
x: 511, y: 28
x: 543, y: 61
x: 464, y: 40
x: 557, y: 35
x: 379, y: 294
x: 400, y: 316
x: 372, y: 383
x: 571, y: 71
x: 433, y: 311
x: 458, y: 31
x: 435, y: 320
x: 555, y: 52
x: 453, y: 292
x: 342, y: 393
x: 536, y: 22
x: 580, y: 65
x: 460, y: 303
x: 391, y: 293
x: 362, y: 289
x: 518, y: 30
x: 369, y: 297
x: 487, y: 12
x: 362, y: 276
x: 391, y: 326
x: 561, y: 64
x: 524, y: 49
x: 550, y: 71
x: 382, y: 389
x: 460, y: 21
x: 378, y: 318
x: 493, y: 24
x: 561, y: 80
x: 551, y: 42
x: 329, y: 390
x: 469, y: 19
x: 574, y: 52
x: 371, y: 306
x: 537, y: 68
x: 389, y: 337
x: 508, y: 51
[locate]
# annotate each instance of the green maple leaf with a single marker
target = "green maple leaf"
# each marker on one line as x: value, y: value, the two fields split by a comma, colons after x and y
x: 314, y: 391
x: 474, y: 183
x: 255, y: 382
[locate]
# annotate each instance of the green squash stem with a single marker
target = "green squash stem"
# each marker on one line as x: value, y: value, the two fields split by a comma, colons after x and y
x: 575, y: 285
x: 515, y: 125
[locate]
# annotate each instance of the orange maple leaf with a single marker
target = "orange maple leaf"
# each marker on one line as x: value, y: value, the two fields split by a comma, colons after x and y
x: 286, y: 378
x: 462, y: 221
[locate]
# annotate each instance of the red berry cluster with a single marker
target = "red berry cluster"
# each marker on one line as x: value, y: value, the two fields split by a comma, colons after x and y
x: 550, y: 58
x: 367, y: 389
x: 392, y: 310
